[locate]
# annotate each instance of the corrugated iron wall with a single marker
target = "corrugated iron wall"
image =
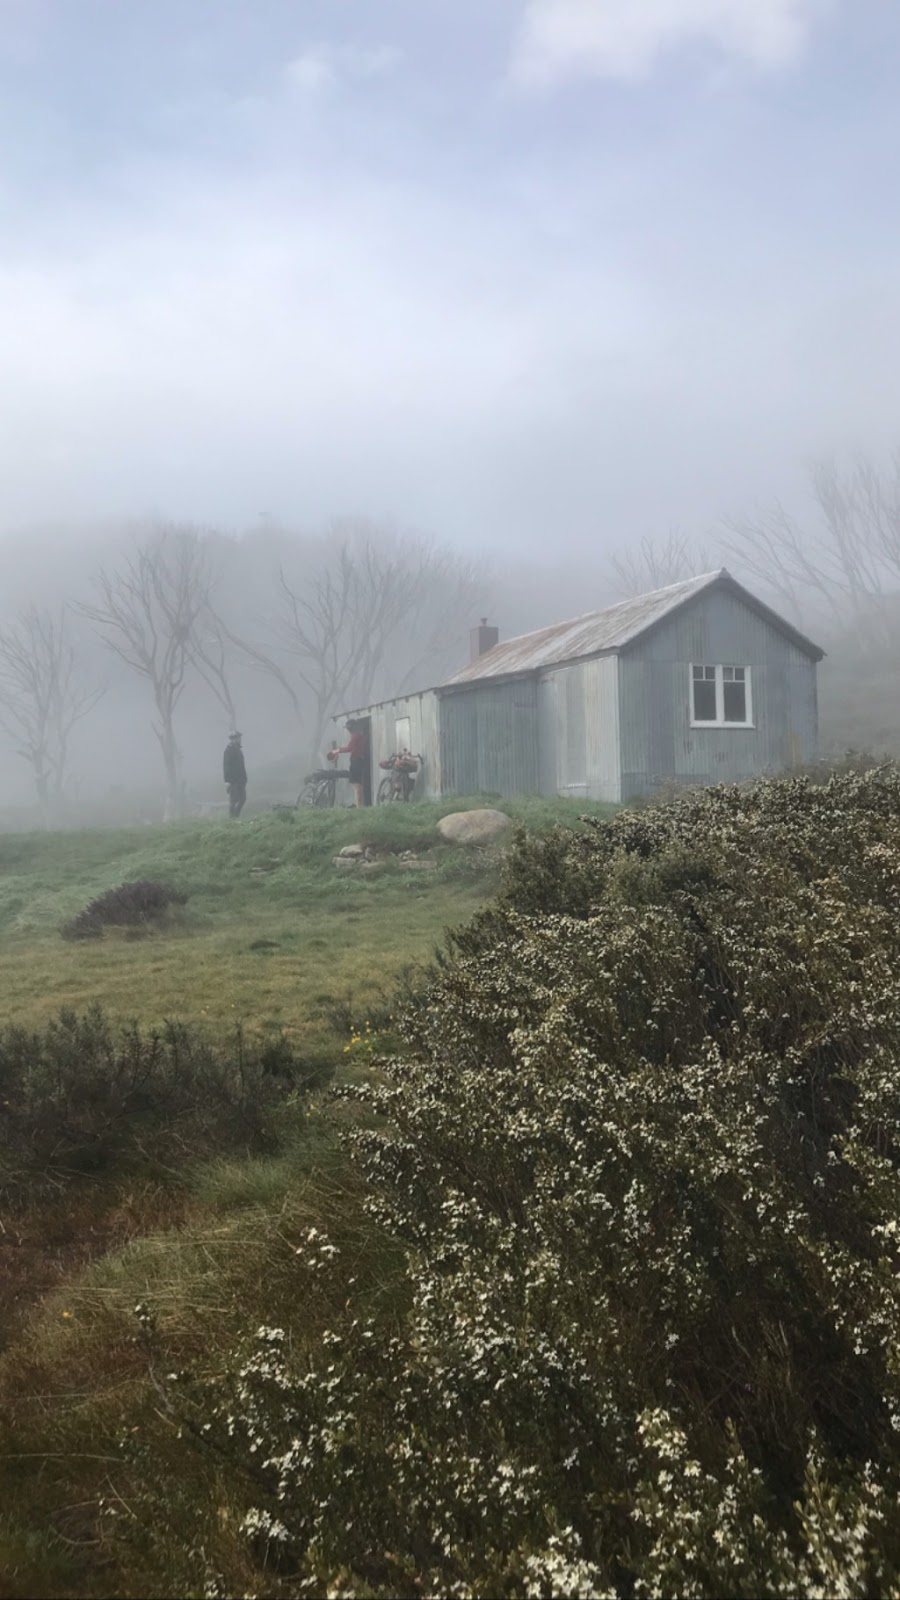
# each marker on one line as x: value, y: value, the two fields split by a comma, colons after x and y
x: 601, y: 691
x: 489, y: 738
x: 579, y: 730
x: 657, y: 741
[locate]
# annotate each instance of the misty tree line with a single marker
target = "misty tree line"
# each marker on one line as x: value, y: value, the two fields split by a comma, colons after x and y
x: 346, y: 618
x: 362, y: 613
x: 834, y: 573
x: 838, y: 571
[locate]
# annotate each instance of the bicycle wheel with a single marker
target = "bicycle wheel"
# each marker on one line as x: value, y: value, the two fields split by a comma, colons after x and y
x: 384, y: 792
x: 307, y: 795
x: 325, y: 792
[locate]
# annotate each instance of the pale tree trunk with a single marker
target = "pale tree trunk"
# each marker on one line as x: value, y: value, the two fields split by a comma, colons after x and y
x: 172, y: 762
x: 42, y: 790
x: 362, y: 604
x: 155, y: 613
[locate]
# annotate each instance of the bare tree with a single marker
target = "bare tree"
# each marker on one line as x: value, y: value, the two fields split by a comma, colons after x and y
x: 211, y: 656
x: 337, y: 626
x: 453, y: 593
x: 365, y: 618
x: 770, y: 547
x: 317, y: 649
x: 844, y: 569
x: 155, y: 613
x: 876, y: 503
x: 657, y: 564
x: 414, y: 604
x: 42, y: 698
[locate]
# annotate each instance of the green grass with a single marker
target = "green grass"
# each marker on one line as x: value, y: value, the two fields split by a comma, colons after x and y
x: 80, y: 1421
x: 271, y: 936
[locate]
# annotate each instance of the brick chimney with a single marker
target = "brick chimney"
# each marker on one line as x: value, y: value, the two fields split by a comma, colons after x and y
x: 482, y: 639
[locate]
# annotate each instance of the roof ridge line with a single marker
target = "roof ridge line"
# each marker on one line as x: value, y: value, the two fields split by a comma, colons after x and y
x: 601, y: 611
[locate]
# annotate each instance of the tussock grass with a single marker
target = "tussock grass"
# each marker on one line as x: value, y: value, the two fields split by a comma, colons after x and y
x: 81, y: 1422
x: 96, y: 1498
x: 271, y: 934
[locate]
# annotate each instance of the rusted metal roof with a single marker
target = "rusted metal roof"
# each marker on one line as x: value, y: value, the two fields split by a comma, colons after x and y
x: 610, y: 629
x: 597, y: 632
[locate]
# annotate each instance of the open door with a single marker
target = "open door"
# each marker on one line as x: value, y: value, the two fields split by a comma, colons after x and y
x: 365, y: 727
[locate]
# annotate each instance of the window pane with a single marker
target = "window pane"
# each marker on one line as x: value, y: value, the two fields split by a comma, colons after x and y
x: 705, y: 702
x: 735, y: 702
x: 697, y: 672
x: 728, y: 674
x: 740, y: 674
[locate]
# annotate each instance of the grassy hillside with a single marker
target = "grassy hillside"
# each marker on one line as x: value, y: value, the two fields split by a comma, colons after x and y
x: 585, y: 1280
x: 135, y: 1200
x: 271, y: 934
x: 599, y: 1295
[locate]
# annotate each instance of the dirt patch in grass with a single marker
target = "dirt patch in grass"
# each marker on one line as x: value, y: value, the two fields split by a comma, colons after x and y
x: 86, y: 1449
x: 45, y: 1245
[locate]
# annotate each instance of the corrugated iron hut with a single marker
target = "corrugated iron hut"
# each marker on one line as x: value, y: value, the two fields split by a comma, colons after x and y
x: 697, y: 683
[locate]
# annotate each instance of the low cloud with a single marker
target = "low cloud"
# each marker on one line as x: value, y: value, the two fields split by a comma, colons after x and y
x: 311, y: 71
x: 564, y: 39
x: 321, y: 67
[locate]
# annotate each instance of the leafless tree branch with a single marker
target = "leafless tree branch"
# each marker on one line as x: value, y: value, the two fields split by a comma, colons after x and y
x: 43, y: 697
x: 656, y: 564
x: 366, y: 616
x: 156, y: 614
x: 211, y: 657
x: 843, y: 571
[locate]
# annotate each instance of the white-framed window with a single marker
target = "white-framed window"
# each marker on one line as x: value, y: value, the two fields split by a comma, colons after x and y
x: 721, y: 697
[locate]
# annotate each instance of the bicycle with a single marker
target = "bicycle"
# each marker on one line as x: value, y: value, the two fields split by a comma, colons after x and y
x: 399, y: 780
x: 320, y: 788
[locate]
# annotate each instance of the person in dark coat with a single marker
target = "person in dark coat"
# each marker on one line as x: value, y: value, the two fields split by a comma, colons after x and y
x: 235, y: 773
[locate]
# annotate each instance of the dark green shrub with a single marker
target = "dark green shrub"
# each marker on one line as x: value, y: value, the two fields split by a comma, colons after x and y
x: 644, y: 1157
x: 83, y: 1095
x: 129, y: 905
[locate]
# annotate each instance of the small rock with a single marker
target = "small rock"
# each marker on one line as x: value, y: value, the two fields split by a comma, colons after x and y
x: 352, y: 851
x: 347, y: 863
x: 474, y: 827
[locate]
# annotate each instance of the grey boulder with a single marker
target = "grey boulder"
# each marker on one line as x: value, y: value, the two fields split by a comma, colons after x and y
x: 474, y: 827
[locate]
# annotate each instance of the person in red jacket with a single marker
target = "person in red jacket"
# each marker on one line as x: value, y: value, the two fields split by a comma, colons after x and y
x: 357, y: 748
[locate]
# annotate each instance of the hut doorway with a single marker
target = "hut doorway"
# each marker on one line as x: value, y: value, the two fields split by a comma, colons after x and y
x: 364, y: 725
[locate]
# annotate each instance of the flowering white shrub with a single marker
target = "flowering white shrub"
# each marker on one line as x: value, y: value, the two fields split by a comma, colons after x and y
x: 644, y: 1158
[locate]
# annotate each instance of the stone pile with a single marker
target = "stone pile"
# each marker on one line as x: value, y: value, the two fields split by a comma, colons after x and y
x: 366, y: 858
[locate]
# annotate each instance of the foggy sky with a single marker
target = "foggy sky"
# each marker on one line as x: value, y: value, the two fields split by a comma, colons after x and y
x: 522, y: 274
